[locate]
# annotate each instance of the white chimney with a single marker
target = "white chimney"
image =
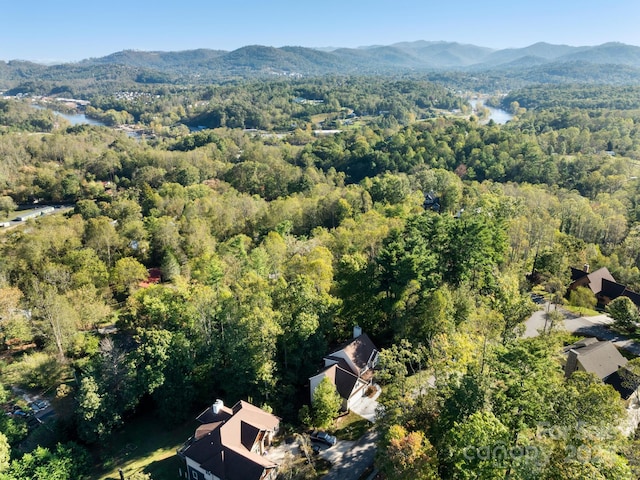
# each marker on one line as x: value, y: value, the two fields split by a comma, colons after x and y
x: 217, y: 406
x: 357, y: 331
x: 586, y: 268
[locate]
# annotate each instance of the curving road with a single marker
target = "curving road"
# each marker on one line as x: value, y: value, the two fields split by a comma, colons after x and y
x: 597, y: 326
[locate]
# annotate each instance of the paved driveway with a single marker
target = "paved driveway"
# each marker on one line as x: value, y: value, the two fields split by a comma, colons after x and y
x: 537, y: 322
x: 351, y: 463
x: 334, y: 454
x: 368, y: 406
x: 598, y: 327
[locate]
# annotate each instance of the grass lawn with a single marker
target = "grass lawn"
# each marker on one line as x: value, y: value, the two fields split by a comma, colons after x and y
x: 583, y: 312
x: 419, y: 381
x: 145, y: 444
x: 351, y: 426
x: 319, y: 118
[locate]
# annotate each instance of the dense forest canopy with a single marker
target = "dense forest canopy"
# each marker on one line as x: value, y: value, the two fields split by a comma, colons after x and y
x: 274, y: 241
x: 576, y: 96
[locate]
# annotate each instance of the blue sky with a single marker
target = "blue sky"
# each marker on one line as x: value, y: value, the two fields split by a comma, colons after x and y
x: 70, y: 30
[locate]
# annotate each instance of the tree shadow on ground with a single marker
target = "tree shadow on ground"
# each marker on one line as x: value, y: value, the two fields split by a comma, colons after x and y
x: 166, y: 469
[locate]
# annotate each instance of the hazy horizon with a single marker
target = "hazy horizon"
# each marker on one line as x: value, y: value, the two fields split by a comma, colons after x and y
x: 327, y: 48
x: 80, y: 30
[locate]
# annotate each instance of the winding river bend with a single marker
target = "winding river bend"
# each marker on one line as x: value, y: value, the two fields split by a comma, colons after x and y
x: 82, y: 119
x: 79, y: 119
x: 496, y: 114
x: 73, y: 118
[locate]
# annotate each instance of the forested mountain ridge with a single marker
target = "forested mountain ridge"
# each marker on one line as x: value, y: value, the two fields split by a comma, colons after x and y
x: 423, y: 55
x: 612, y: 63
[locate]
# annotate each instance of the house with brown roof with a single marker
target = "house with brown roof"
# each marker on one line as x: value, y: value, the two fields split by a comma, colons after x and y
x: 231, y: 444
x: 602, y: 284
x: 349, y: 368
x: 593, y: 280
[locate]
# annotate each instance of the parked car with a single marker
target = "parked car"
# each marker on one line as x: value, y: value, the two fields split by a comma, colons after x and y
x: 539, y: 299
x: 38, y: 405
x: 17, y: 410
x: 35, y: 407
x: 323, y: 437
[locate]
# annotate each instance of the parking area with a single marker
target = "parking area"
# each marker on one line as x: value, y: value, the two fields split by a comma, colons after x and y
x: 352, y: 462
x: 34, y: 408
x: 334, y: 454
x: 349, y: 459
x: 330, y: 453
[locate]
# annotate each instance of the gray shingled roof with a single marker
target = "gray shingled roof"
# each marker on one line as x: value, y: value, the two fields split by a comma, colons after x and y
x: 600, y: 358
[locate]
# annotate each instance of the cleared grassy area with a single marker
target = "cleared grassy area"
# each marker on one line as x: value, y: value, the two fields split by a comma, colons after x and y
x: 357, y: 123
x: 320, y: 117
x: 350, y: 427
x: 145, y: 444
x: 583, y: 312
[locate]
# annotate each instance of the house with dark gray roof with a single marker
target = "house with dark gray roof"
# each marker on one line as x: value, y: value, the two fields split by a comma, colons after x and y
x: 625, y: 381
x: 604, y: 360
x: 350, y: 369
x: 591, y: 355
x: 231, y: 444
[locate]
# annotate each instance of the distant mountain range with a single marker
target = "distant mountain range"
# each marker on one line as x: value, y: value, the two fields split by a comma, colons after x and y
x: 607, y: 63
x: 418, y: 55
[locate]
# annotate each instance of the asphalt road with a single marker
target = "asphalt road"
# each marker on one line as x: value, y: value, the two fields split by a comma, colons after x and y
x: 596, y: 326
x: 16, y: 223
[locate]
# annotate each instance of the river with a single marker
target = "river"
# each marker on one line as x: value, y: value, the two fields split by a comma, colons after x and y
x: 78, y: 118
x: 82, y: 119
x: 73, y: 118
x: 496, y: 114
